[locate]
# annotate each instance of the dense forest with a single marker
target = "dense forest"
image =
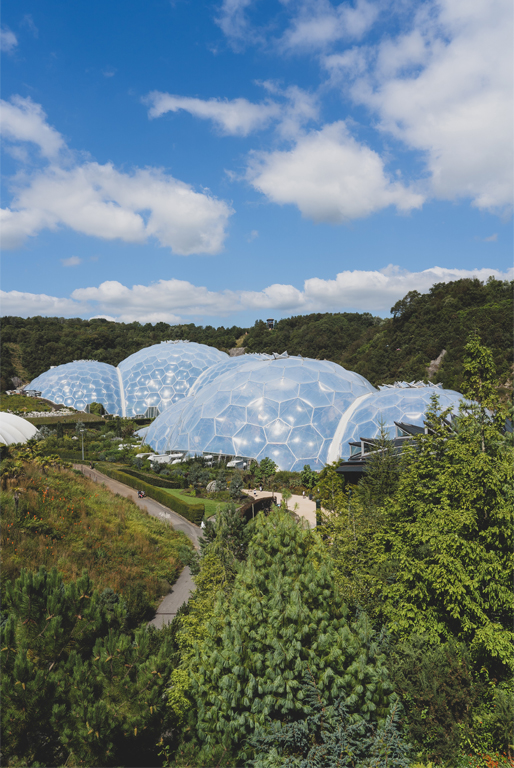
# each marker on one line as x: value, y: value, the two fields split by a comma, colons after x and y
x: 381, y: 638
x: 422, y: 326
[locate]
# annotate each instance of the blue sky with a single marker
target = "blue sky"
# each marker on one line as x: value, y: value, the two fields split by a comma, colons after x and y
x: 224, y: 162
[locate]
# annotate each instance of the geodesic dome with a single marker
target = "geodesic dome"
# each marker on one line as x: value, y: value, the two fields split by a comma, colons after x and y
x: 80, y: 383
x: 400, y: 403
x: 14, y: 429
x: 225, y: 366
x: 287, y: 408
x: 159, y: 375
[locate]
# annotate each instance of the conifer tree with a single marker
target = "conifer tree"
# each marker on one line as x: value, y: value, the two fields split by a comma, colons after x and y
x: 283, y: 617
x: 76, y: 687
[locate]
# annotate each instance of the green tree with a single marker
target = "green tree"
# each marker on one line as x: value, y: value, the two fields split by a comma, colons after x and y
x: 308, y: 477
x: 449, y: 536
x: 267, y: 467
x: 76, y: 687
x: 330, y: 489
x: 283, y: 618
x: 236, y: 485
x: 328, y: 738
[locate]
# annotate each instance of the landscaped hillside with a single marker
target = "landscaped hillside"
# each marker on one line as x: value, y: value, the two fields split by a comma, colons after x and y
x: 401, y: 347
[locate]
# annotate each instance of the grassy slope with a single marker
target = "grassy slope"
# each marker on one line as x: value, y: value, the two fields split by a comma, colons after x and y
x: 210, y: 505
x: 67, y: 521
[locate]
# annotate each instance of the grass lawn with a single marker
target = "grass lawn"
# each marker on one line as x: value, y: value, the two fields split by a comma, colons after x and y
x: 211, y: 505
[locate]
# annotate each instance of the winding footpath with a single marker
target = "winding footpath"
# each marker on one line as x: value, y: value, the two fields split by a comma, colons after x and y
x: 184, y: 585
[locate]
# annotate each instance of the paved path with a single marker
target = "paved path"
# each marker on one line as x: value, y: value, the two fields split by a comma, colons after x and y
x: 301, y: 505
x: 179, y: 595
x: 177, y: 522
x: 184, y: 585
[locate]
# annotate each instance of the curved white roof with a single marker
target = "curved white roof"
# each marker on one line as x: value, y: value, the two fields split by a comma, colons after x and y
x: 14, y: 429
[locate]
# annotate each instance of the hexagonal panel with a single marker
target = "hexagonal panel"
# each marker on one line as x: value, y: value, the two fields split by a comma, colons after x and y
x: 296, y: 412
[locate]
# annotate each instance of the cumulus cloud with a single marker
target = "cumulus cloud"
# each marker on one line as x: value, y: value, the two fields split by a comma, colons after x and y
x: 18, y: 303
x: 8, y: 40
x: 445, y: 88
x: 330, y: 177
x: 22, y: 120
x: 99, y: 200
x: 73, y: 261
x: 174, y: 301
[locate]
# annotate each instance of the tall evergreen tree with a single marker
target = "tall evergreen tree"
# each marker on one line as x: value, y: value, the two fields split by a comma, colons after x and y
x: 284, y: 617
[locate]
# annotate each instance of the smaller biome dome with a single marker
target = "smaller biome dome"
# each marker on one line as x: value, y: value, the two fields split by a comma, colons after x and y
x: 81, y: 383
x: 401, y: 403
x: 14, y: 429
x: 158, y: 376
x: 285, y: 408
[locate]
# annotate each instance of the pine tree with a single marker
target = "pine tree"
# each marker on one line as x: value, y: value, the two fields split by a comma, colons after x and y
x: 76, y: 687
x: 282, y: 618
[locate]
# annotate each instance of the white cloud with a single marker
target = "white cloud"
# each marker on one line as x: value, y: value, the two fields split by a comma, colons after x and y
x: 20, y: 304
x: 100, y: 201
x: 174, y: 301
x: 491, y: 238
x: 330, y: 177
x: 238, y: 117
x: 445, y: 89
x: 8, y: 40
x: 232, y: 20
x: 73, y: 261
x: 319, y: 23
x: 22, y: 120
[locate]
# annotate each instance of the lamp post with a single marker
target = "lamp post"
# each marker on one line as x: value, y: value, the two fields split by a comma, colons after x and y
x: 82, y: 433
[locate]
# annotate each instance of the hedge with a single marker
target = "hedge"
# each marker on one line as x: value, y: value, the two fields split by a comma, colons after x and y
x: 192, y: 512
x: 158, y: 482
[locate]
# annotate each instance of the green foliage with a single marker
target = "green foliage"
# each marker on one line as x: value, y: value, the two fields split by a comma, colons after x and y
x: 236, y: 486
x: 282, y: 618
x: 449, y: 536
x: 328, y: 738
x: 96, y: 408
x: 330, y: 489
x: 158, y: 482
x: 436, y: 685
x: 192, y: 512
x: 267, y: 467
x: 76, y: 687
x: 308, y: 477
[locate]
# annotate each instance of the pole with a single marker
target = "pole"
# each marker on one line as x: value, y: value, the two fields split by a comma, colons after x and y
x: 82, y: 445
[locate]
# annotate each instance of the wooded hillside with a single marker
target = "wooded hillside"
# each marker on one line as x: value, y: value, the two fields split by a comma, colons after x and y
x: 382, y: 350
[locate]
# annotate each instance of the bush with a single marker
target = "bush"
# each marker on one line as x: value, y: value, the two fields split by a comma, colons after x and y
x: 158, y: 482
x: 192, y: 512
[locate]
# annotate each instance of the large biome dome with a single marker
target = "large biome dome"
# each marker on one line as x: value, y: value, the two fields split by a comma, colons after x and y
x: 159, y: 375
x: 287, y: 408
x: 14, y: 429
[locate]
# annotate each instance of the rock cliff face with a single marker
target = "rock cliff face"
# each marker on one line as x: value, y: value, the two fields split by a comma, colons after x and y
x: 435, y: 365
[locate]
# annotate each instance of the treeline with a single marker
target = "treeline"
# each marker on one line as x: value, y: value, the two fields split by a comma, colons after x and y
x: 401, y: 347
